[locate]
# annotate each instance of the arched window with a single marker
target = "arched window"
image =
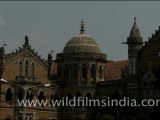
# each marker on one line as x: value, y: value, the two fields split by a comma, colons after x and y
x: 20, y: 68
x: 32, y: 69
x: 79, y: 104
x: 78, y: 94
x: 9, y: 95
x: 89, y: 95
x: 41, y: 96
x: 20, y: 118
x: 84, y: 71
x: 59, y: 71
x: 20, y: 96
x: 74, y: 73
x: 69, y: 95
x: 66, y: 72
x: 30, y: 95
x: 56, y: 97
x: 93, y: 71
x: 100, y: 72
x: 26, y: 67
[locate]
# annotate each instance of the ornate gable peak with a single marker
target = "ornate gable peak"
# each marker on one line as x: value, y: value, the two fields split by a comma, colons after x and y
x: 26, y: 44
x: 25, y: 47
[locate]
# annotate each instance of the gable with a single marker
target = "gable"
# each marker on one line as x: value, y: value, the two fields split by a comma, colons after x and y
x: 25, y: 53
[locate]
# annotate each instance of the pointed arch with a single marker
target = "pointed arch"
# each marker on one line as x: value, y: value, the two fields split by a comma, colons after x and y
x: 20, y: 95
x: 100, y: 72
x: 93, y: 71
x: 84, y: 71
x: 33, y: 68
x: 41, y: 95
x: 30, y: 94
x: 20, y: 67
x: 74, y: 73
x: 26, y: 67
x: 9, y: 94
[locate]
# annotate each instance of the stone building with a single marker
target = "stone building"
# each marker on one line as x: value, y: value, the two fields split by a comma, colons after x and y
x: 25, y: 75
x: 79, y: 67
x: 142, y: 75
x: 81, y: 70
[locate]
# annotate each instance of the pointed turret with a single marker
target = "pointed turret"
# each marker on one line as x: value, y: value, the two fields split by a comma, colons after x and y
x: 135, y: 42
x: 135, y: 36
x: 135, y: 30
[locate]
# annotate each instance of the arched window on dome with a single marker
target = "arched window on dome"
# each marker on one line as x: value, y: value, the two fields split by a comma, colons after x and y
x: 100, y: 72
x: 9, y: 95
x: 84, y: 71
x: 20, y: 67
x: 74, y: 73
x: 20, y: 95
x: 66, y: 71
x: 26, y: 67
x: 93, y: 71
x: 32, y: 69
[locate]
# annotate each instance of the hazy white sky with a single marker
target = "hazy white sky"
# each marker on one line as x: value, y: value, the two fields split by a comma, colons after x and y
x: 50, y: 25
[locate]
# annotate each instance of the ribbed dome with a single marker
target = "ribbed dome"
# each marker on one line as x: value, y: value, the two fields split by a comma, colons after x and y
x: 81, y: 43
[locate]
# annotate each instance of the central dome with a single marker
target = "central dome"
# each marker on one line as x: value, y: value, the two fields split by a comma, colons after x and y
x: 81, y: 43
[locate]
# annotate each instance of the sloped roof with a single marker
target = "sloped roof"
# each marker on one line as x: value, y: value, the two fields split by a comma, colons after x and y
x: 114, y: 69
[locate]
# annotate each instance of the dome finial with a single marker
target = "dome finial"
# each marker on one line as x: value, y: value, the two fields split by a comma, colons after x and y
x: 82, y: 27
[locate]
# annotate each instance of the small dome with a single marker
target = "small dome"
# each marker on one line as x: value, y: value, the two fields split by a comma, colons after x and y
x: 81, y: 43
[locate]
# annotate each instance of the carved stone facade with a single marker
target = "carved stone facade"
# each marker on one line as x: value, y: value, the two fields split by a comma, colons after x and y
x: 142, y: 75
x: 26, y: 75
x: 80, y: 70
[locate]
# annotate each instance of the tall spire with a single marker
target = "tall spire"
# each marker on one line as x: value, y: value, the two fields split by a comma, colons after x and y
x: 82, y: 27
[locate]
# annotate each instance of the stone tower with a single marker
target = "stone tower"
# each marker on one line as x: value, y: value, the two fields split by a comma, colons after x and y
x: 79, y: 67
x: 134, y: 42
